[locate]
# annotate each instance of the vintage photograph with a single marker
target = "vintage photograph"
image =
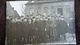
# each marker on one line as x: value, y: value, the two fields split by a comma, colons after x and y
x: 40, y: 22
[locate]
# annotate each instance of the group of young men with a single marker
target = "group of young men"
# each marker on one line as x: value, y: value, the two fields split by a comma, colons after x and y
x: 35, y: 29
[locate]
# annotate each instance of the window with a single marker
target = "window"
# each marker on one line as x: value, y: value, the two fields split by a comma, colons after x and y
x: 68, y: 10
x: 53, y: 10
x: 31, y: 11
x: 46, y: 10
x: 60, y: 11
x: 39, y: 10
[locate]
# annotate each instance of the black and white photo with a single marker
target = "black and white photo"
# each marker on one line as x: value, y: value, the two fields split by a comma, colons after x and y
x: 40, y: 22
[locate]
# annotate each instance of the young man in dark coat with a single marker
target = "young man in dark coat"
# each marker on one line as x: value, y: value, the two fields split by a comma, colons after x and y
x: 14, y: 30
x: 35, y: 29
x: 61, y: 28
x: 8, y: 29
x: 19, y: 31
x: 52, y: 30
x: 25, y: 29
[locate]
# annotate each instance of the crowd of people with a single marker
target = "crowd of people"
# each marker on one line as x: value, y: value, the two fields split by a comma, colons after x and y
x: 35, y: 29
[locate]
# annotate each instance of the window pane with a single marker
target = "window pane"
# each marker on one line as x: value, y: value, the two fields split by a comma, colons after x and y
x: 60, y: 11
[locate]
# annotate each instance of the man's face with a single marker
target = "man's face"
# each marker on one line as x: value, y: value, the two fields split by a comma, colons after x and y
x: 41, y: 18
x: 34, y: 19
x: 58, y: 15
x: 18, y: 19
x: 25, y: 20
x: 61, y: 18
x: 56, y: 18
x: 14, y: 20
x: 22, y: 17
x: 49, y: 17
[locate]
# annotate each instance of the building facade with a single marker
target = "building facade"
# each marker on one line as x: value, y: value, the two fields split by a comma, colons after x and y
x: 10, y: 11
x: 65, y: 8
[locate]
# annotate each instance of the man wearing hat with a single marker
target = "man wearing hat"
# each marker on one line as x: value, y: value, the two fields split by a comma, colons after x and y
x: 19, y: 30
x: 61, y: 27
x: 14, y: 30
x: 25, y: 29
x: 8, y: 28
x: 52, y: 30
